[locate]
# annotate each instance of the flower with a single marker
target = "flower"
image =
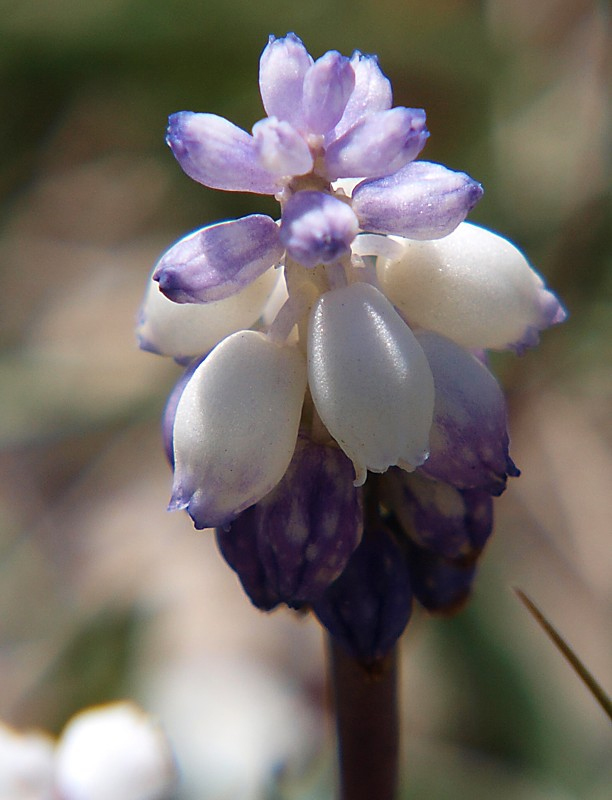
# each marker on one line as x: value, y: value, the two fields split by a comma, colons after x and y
x: 110, y: 752
x: 351, y: 331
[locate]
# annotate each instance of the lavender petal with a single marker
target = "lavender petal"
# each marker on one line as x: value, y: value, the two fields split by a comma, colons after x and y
x: 420, y: 201
x: 218, y: 154
x: 282, y: 68
x: 379, y: 144
x: 327, y: 87
x: 282, y: 150
x: 372, y: 93
x: 218, y: 261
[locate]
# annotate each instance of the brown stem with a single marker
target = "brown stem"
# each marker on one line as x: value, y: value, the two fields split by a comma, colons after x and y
x: 367, y: 725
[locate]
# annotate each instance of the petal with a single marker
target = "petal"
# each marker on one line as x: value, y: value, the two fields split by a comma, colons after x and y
x: 473, y: 286
x: 305, y: 529
x: 368, y: 607
x: 282, y: 67
x: 282, y: 150
x: 369, y: 380
x: 317, y: 228
x: 217, y: 153
x: 114, y: 751
x: 438, y: 517
x: 220, y: 260
x: 379, y: 144
x: 327, y: 87
x: 184, y: 330
x: 420, y: 201
x: 236, y: 427
x: 468, y: 444
x: 372, y: 93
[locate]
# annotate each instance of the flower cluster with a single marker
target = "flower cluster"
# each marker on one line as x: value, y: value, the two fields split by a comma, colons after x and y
x: 347, y: 337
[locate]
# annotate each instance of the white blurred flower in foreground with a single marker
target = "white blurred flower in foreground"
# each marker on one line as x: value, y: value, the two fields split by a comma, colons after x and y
x: 237, y: 726
x: 111, y: 752
x: 26, y: 765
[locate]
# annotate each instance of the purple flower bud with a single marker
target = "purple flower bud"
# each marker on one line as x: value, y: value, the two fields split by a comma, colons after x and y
x: 420, y: 201
x: 372, y: 93
x: 239, y: 546
x: 379, y: 144
x: 218, y: 154
x: 368, y: 607
x: 327, y: 87
x: 317, y: 228
x: 219, y: 260
x: 283, y: 151
x: 301, y: 534
x: 282, y: 68
x: 440, y: 584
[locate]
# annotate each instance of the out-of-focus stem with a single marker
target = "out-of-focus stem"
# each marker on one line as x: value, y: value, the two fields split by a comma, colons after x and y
x: 367, y: 722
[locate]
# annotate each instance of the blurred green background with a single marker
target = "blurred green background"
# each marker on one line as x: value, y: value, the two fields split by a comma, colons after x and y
x: 103, y: 594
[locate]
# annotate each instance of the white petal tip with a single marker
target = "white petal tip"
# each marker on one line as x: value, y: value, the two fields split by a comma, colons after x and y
x: 361, y: 474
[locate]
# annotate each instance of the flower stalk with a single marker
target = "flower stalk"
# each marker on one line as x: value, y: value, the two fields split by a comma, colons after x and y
x: 367, y: 723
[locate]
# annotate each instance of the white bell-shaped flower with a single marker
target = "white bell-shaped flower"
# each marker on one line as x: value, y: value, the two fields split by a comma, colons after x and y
x: 472, y: 286
x: 113, y: 752
x: 236, y: 426
x: 183, y: 330
x: 370, y: 380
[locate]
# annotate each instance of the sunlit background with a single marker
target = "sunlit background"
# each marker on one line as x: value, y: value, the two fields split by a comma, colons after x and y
x: 105, y: 595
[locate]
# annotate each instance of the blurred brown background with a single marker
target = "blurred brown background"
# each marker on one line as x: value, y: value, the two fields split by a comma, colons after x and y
x: 102, y: 593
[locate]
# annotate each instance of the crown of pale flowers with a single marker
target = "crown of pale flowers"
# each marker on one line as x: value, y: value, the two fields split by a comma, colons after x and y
x: 359, y: 318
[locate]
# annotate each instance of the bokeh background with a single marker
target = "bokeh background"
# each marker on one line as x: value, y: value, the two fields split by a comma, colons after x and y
x: 105, y: 595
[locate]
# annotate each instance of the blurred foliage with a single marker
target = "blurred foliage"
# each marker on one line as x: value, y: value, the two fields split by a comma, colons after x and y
x: 515, y: 95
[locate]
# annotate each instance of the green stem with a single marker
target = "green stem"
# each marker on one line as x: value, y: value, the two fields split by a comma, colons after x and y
x: 367, y: 721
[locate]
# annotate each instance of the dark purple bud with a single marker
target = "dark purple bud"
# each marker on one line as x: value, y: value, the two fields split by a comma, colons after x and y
x: 368, y: 607
x: 239, y: 546
x: 440, y: 584
x: 450, y: 522
x: 301, y: 534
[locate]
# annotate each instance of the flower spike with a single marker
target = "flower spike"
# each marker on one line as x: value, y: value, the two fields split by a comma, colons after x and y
x: 361, y: 319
